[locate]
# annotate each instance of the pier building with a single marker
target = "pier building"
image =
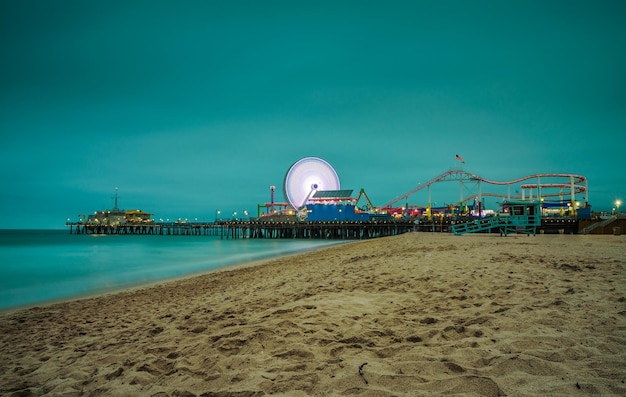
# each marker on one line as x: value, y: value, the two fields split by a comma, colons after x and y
x: 117, y: 216
x: 339, y: 205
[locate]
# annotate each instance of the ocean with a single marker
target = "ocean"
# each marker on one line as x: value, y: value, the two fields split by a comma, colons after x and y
x: 41, y: 266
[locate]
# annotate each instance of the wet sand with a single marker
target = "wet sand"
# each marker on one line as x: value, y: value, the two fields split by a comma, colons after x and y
x: 416, y: 314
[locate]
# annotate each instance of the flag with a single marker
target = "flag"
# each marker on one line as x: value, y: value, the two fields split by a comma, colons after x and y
x: 460, y: 159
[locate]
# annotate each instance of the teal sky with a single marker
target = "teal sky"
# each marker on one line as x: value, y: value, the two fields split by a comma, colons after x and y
x: 190, y: 107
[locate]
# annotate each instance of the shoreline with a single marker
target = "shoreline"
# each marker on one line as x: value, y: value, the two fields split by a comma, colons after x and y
x: 416, y: 313
x: 154, y: 283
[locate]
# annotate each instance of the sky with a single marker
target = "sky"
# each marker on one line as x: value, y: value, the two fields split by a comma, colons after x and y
x: 190, y: 107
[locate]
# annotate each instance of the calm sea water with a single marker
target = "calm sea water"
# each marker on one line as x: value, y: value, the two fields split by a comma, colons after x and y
x: 42, y: 266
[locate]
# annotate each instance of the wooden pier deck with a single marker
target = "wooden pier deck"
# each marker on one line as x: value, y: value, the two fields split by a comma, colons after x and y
x: 253, y: 229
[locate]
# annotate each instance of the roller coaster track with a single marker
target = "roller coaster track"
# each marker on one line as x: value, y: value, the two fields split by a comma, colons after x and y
x: 577, y: 184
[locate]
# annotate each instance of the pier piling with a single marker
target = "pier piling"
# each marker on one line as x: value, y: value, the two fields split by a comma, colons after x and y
x: 342, y: 230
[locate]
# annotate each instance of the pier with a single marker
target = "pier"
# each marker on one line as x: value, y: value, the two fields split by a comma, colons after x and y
x: 343, y: 230
x: 347, y: 230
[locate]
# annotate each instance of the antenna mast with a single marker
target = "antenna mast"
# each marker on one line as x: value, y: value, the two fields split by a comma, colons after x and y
x: 115, y: 206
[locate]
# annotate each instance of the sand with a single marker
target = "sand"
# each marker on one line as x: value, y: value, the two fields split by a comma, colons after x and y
x: 410, y: 315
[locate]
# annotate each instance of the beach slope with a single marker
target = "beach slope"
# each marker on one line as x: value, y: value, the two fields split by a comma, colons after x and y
x: 420, y: 313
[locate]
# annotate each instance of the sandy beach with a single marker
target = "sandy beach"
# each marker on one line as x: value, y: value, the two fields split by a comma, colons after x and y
x: 410, y: 315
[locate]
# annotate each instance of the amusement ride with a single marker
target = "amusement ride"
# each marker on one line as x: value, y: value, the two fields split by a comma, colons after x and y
x: 311, y: 178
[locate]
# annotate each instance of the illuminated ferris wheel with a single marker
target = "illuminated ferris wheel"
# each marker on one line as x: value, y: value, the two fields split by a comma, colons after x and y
x: 305, y: 177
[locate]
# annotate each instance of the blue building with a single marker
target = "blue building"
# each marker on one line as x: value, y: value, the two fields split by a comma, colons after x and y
x: 336, y: 205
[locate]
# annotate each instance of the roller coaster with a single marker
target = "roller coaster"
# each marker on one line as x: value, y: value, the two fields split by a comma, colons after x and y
x: 550, y: 188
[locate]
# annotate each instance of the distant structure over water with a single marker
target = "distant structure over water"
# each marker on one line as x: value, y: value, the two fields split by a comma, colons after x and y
x: 117, y: 216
